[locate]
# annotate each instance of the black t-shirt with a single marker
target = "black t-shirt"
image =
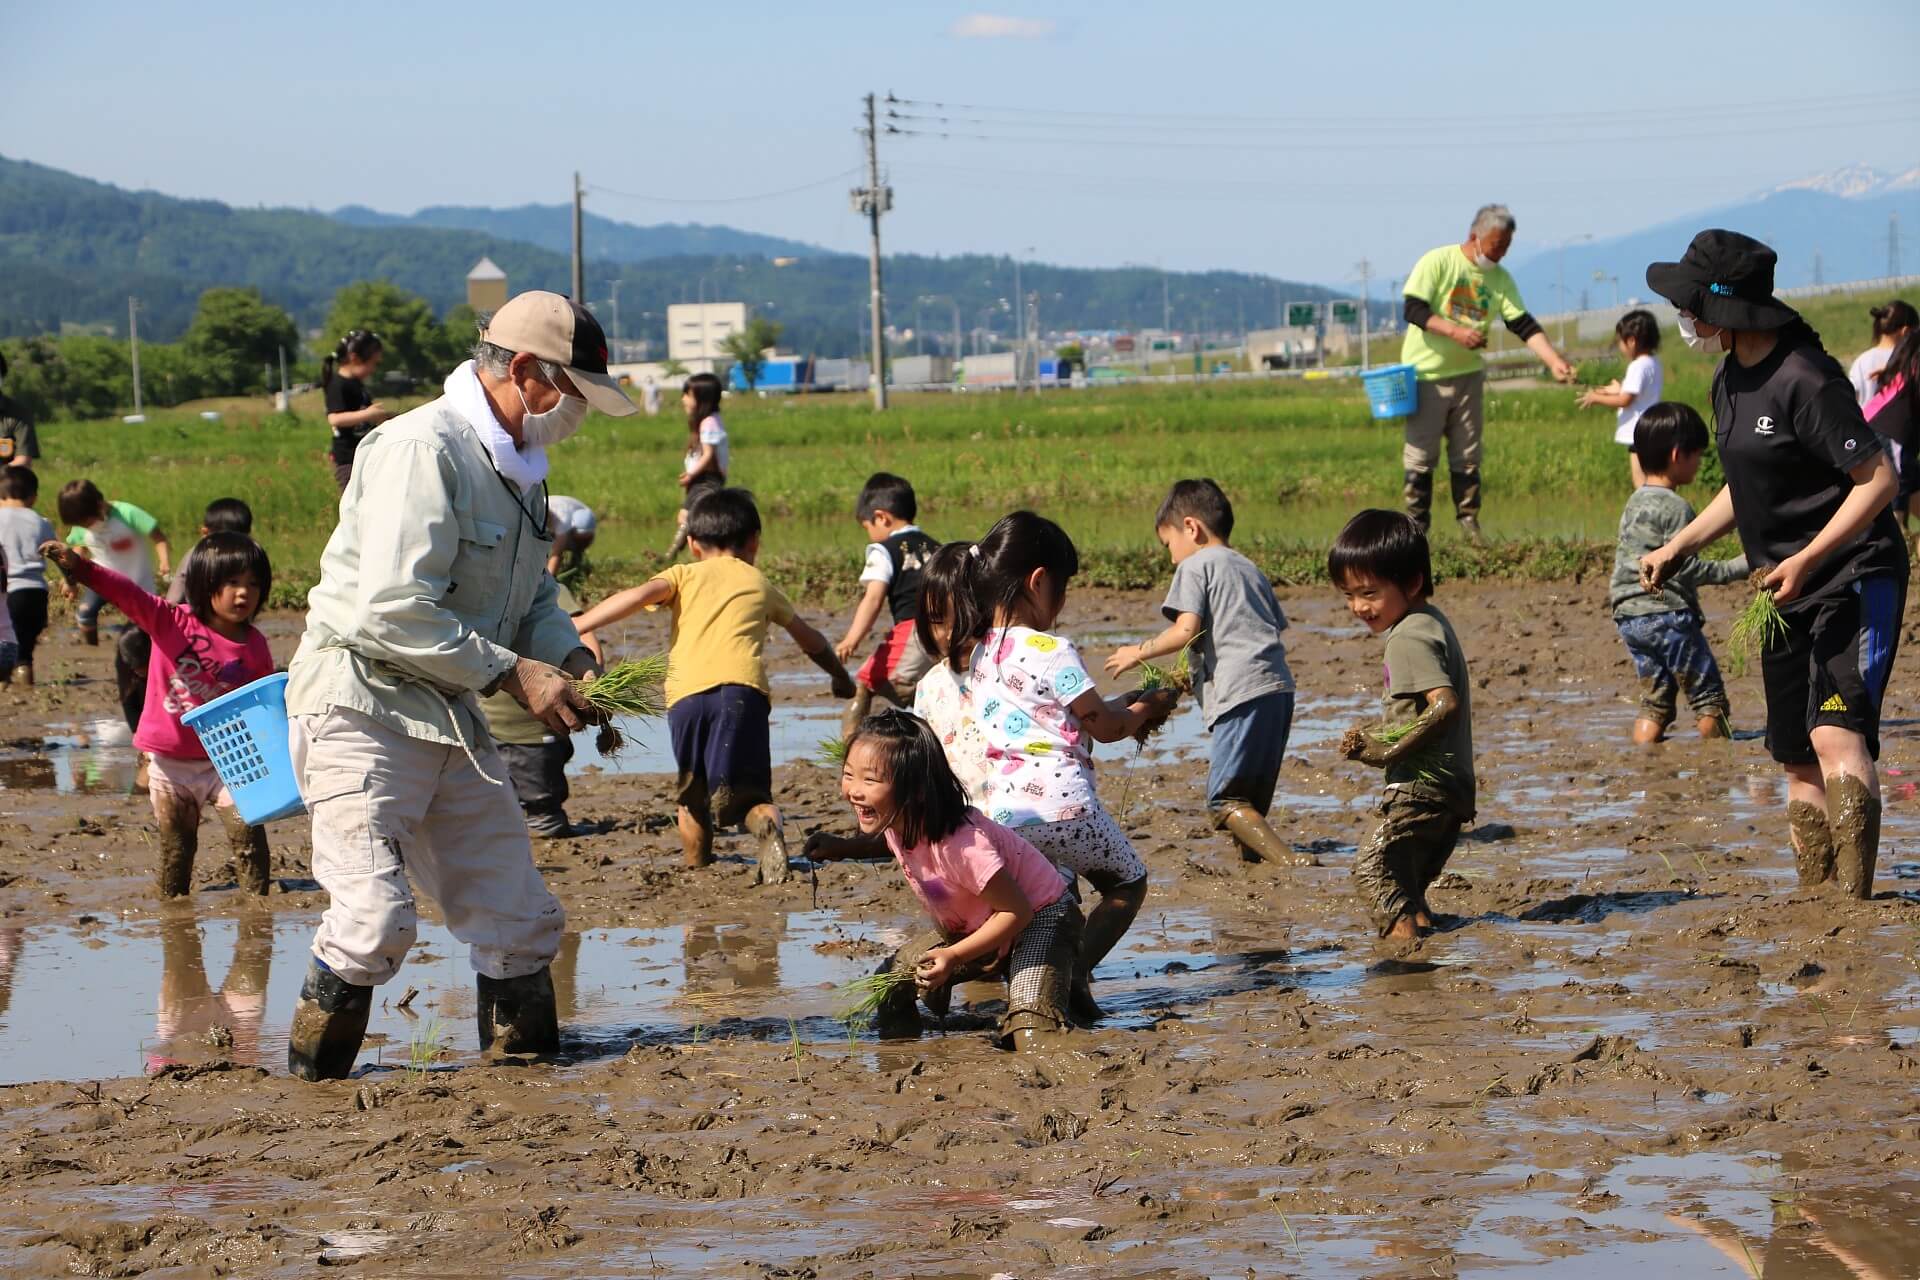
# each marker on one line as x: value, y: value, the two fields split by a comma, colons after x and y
x: 347, y: 395
x: 1789, y: 430
x: 909, y: 550
x: 17, y: 438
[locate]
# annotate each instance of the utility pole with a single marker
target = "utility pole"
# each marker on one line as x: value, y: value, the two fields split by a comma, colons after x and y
x: 133, y: 336
x: 286, y: 393
x: 1819, y: 275
x: 1366, y: 282
x: 1019, y: 331
x: 579, y: 275
x: 873, y: 200
x: 1166, y: 306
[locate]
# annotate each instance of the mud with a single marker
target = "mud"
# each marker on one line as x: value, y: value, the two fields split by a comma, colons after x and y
x: 1633, y: 1040
x: 1853, y: 815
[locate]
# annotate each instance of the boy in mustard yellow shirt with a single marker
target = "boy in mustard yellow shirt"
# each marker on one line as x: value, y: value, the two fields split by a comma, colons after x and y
x: 718, y: 696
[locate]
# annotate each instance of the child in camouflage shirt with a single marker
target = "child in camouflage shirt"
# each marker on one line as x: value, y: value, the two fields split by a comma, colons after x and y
x: 1662, y: 627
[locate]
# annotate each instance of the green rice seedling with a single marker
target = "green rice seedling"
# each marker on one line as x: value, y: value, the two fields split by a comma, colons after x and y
x: 634, y: 688
x: 1756, y: 628
x: 1429, y: 764
x: 832, y: 755
x: 425, y: 1048
x: 862, y: 997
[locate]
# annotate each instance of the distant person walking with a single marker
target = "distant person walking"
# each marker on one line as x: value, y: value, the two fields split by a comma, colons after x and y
x: 19, y: 444
x: 704, y: 468
x: 1892, y: 321
x: 351, y: 411
x: 1452, y: 295
x: 650, y: 397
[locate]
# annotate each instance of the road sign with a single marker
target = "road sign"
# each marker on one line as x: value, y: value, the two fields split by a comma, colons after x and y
x: 1345, y: 313
x: 1302, y: 314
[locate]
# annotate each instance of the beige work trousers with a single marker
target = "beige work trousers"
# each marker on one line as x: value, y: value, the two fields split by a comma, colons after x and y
x: 393, y: 813
x: 1449, y: 409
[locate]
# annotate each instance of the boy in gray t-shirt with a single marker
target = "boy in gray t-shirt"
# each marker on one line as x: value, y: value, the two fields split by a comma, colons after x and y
x: 1223, y: 612
x: 1381, y: 564
x: 22, y: 532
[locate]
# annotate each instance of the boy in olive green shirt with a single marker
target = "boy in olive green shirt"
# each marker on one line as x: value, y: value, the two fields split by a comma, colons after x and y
x: 1381, y: 564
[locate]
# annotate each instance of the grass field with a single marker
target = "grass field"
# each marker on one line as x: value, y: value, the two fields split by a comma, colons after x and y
x: 1297, y: 458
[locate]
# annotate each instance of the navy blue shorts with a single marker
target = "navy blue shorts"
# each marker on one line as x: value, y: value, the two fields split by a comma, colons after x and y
x: 1249, y: 743
x: 723, y: 752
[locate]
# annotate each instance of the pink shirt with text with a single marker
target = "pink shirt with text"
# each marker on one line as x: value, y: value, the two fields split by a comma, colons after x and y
x: 192, y: 664
x: 947, y: 875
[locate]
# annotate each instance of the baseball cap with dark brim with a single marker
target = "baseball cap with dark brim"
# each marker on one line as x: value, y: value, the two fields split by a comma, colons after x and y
x: 1725, y: 279
x: 559, y: 330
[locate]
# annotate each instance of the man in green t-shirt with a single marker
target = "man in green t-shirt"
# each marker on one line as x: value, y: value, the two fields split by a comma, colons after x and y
x: 1452, y: 295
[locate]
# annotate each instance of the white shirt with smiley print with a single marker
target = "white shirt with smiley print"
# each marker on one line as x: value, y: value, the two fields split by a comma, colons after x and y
x: 1039, y: 762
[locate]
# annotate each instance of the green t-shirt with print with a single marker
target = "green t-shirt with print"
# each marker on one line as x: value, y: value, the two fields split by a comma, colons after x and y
x: 1446, y: 280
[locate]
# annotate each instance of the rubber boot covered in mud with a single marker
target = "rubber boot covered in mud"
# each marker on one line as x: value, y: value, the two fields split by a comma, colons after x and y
x: 767, y: 828
x: 328, y: 1025
x: 1466, y: 503
x: 1812, y: 843
x: 251, y: 858
x: 1258, y: 841
x: 1419, y: 495
x: 1853, y: 814
x: 518, y: 1015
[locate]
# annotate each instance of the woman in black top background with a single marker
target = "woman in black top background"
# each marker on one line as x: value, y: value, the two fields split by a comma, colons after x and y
x: 1894, y: 412
x: 1809, y: 487
x: 351, y: 412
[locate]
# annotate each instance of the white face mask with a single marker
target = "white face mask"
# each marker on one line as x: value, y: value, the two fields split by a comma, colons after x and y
x: 1694, y: 338
x: 557, y: 423
x: 1483, y: 262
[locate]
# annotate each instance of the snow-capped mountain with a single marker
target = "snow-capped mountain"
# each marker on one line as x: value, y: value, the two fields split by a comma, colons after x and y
x: 1854, y: 182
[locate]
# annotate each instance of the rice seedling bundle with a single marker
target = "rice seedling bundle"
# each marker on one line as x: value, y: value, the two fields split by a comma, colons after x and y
x: 634, y: 688
x: 832, y: 754
x: 864, y: 996
x: 1756, y: 628
x: 1429, y: 764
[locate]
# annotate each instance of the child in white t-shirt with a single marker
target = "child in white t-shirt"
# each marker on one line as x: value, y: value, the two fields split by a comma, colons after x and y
x: 1038, y: 712
x: 704, y: 469
x: 1638, y: 388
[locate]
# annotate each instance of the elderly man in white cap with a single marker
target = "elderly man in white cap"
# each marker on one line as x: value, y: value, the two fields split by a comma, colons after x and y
x: 434, y: 592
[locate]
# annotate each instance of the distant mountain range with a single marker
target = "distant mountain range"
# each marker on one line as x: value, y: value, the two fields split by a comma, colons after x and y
x: 1839, y: 220
x: 550, y: 226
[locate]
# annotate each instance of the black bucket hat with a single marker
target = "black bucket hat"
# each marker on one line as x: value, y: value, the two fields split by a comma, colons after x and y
x: 1725, y: 279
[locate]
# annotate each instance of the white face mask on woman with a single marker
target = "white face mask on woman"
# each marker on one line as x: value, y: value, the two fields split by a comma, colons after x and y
x: 557, y: 423
x: 1697, y: 340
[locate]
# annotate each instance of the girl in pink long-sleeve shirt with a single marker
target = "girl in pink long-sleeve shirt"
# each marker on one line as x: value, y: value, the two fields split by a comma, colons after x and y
x: 202, y: 649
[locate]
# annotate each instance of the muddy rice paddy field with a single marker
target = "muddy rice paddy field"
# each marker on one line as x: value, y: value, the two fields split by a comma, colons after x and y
x: 1634, y: 1044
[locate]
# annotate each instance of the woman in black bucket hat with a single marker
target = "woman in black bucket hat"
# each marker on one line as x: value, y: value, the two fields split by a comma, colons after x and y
x: 1809, y: 487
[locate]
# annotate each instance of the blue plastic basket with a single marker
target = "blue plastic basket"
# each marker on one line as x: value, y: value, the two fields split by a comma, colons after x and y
x: 245, y: 734
x: 1391, y: 390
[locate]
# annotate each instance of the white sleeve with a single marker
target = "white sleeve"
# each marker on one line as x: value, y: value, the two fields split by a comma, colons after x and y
x: 711, y: 432
x: 1637, y: 376
x: 879, y: 565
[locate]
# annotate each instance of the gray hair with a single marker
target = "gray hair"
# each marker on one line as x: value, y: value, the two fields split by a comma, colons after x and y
x: 491, y: 360
x: 1493, y: 218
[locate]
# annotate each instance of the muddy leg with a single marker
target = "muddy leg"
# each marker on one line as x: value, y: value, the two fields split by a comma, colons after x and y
x: 1466, y: 502
x: 1807, y: 825
x: 696, y: 837
x: 1257, y: 839
x: 1109, y: 921
x: 1853, y: 816
x: 179, y: 841
x: 1418, y: 492
x: 857, y: 710
x: 251, y: 858
x: 763, y: 823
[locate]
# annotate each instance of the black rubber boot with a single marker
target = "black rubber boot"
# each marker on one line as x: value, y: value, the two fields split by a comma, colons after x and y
x: 1419, y: 496
x: 328, y: 1025
x: 1466, y: 503
x: 518, y: 1015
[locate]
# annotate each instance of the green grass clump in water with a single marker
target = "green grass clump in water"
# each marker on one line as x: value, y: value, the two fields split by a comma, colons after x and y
x: 1756, y: 628
x: 636, y: 687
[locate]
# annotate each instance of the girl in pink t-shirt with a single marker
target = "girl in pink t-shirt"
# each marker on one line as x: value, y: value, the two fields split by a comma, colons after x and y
x: 999, y: 905
x: 202, y: 649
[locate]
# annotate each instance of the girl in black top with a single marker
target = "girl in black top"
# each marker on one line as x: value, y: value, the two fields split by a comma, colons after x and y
x: 1809, y: 487
x: 1894, y: 412
x: 351, y: 412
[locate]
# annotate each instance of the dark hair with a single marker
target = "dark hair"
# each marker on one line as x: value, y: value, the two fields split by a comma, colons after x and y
x: 943, y: 577
x: 19, y: 484
x: 358, y: 345
x: 1664, y: 427
x: 81, y: 501
x: 1904, y: 362
x: 996, y: 570
x: 228, y: 515
x: 1893, y: 317
x: 724, y: 519
x: 705, y: 390
x: 218, y: 558
x: 1641, y: 329
x: 1386, y: 545
x: 928, y: 801
x: 1200, y: 499
x: 887, y: 492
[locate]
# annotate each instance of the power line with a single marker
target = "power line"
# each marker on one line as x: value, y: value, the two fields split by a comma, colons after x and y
x: 829, y: 180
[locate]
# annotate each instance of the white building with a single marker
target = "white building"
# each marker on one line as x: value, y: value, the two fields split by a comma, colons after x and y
x: 695, y: 330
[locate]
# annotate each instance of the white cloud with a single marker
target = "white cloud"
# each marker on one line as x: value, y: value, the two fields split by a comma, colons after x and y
x: 998, y: 26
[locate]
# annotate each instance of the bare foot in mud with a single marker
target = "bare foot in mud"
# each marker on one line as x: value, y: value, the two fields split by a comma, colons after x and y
x: 1404, y: 930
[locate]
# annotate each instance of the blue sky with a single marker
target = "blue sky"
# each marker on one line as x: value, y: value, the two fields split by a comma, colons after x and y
x: 1278, y: 137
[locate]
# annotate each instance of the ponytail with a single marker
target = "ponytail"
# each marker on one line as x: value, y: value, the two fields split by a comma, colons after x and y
x: 997, y: 568
x: 1903, y: 363
x: 326, y: 371
x: 1893, y: 317
x: 359, y: 345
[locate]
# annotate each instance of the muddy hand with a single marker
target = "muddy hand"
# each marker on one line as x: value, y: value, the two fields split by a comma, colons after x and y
x: 1654, y: 568
x: 61, y: 554
x: 1353, y: 744
x: 548, y: 695
x: 934, y: 970
x: 1786, y: 580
